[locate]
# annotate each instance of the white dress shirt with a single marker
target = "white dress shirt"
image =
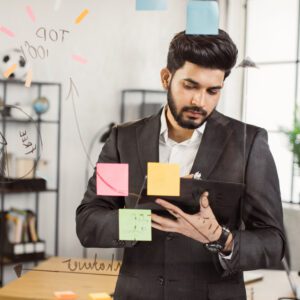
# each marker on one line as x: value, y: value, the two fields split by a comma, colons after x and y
x: 183, y: 153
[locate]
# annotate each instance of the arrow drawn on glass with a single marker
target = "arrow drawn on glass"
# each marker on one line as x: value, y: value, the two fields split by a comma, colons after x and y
x: 72, y: 89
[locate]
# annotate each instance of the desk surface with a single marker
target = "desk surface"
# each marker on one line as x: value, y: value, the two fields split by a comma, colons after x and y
x: 41, y: 285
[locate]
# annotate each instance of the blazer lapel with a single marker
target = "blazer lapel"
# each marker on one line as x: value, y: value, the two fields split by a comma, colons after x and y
x: 148, y: 141
x: 215, y: 138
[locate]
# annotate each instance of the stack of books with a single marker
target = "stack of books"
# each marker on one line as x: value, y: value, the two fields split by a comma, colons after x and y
x: 20, y: 239
x: 21, y: 226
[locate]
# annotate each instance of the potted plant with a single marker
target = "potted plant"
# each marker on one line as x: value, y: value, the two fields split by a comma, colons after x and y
x: 294, y: 138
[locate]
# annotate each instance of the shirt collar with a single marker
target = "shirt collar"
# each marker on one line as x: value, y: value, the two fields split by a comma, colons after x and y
x: 164, y: 127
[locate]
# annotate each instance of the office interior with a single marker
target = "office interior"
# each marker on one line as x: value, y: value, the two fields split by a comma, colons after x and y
x: 106, y: 69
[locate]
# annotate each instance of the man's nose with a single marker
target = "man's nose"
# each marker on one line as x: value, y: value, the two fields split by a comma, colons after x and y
x: 198, y: 99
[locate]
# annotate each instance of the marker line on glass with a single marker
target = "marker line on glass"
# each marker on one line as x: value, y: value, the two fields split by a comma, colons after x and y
x: 10, y: 70
x: 81, y: 16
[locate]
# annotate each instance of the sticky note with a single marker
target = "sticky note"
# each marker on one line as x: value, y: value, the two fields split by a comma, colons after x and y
x: 65, y: 295
x: 163, y: 179
x: 135, y: 225
x: 151, y: 4
x: 10, y: 70
x: 112, y: 179
x: 99, y: 296
x: 81, y: 16
x: 202, y: 17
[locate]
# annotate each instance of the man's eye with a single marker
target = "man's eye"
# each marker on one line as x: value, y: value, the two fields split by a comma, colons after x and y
x: 188, y: 87
x: 213, y: 92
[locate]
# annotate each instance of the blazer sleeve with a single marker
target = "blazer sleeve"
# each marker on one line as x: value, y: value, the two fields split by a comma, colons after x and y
x: 97, y: 218
x: 261, y: 244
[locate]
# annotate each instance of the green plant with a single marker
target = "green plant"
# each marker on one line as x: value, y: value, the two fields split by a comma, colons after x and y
x: 294, y: 139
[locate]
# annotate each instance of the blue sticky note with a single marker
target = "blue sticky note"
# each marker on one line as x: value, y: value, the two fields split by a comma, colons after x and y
x: 151, y: 4
x: 202, y: 17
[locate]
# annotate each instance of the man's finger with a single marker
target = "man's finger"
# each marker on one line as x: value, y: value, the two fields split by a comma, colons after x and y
x: 204, y: 203
x: 162, y: 228
x: 165, y: 222
x: 168, y: 205
x: 189, y: 176
x: 173, y: 213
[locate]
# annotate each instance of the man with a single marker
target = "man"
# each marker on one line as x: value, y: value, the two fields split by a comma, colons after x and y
x: 192, y: 256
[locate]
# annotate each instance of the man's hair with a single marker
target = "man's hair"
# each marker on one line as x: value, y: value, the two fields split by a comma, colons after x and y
x: 208, y: 51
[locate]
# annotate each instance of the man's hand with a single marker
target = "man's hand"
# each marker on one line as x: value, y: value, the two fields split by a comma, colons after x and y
x: 202, y: 226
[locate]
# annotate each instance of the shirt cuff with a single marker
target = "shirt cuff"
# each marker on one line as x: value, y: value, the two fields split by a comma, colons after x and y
x: 223, y: 257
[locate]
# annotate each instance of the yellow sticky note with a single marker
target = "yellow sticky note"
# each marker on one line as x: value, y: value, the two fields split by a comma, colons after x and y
x: 65, y: 295
x: 163, y: 179
x: 99, y: 296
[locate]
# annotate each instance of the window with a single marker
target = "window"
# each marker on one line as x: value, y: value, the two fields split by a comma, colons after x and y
x: 272, y: 41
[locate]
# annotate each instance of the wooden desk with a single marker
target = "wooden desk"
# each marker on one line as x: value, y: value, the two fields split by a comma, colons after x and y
x: 275, y: 284
x: 39, y: 285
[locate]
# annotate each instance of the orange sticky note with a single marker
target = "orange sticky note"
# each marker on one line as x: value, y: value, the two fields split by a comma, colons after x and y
x: 112, y: 179
x: 99, y: 296
x: 163, y: 179
x: 10, y: 70
x: 81, y: 16
x: 65, y: 295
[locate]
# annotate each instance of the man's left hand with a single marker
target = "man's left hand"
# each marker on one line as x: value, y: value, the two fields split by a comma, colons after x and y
x: 202, y: 226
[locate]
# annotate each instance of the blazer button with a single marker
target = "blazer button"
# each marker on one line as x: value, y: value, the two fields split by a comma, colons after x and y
x: 122, y: 243
x: 170, y: 236
x: 119, y: 243
x: 161, y: 280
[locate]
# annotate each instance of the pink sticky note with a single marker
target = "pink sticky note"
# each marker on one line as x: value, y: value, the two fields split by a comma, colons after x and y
x: 112, y: 179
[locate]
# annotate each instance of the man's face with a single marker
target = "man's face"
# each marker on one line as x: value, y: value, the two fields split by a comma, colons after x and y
x: 193, y: 94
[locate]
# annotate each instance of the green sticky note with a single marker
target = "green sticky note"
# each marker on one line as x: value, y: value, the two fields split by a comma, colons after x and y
x: 135, y: 225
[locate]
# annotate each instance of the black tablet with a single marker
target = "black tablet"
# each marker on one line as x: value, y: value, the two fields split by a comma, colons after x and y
x: 225, y: 199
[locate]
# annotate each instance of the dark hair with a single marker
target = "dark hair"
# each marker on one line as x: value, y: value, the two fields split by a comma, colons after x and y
x: 209, y: 51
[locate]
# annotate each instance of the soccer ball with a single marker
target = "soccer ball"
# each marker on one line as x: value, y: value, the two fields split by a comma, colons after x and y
x: 11, y: 57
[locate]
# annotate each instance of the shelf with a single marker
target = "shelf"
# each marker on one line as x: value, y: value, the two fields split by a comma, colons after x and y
x: 144, y: 91
x: 3, y: 191
x: 12, y: 120
x: 20, y: 82
x: 13, y: 189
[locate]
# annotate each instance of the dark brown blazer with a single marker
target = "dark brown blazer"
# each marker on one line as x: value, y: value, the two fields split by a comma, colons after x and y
x: 172, y: 266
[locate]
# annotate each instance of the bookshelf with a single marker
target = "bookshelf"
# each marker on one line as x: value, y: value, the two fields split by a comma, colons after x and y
x: 12, y: 253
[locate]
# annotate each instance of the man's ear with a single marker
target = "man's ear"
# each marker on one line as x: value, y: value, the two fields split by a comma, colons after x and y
x: 165, y: 76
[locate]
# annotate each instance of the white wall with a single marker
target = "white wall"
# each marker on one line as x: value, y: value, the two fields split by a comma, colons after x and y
x: 124, y: 49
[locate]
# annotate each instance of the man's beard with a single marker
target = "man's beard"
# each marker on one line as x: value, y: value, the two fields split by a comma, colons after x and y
x: 178, y: 116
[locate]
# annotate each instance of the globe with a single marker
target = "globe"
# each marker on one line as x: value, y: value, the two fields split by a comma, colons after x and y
x: 41, y: 105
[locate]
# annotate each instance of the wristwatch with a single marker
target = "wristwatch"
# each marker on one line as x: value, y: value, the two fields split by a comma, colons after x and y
x: 217, y: 246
